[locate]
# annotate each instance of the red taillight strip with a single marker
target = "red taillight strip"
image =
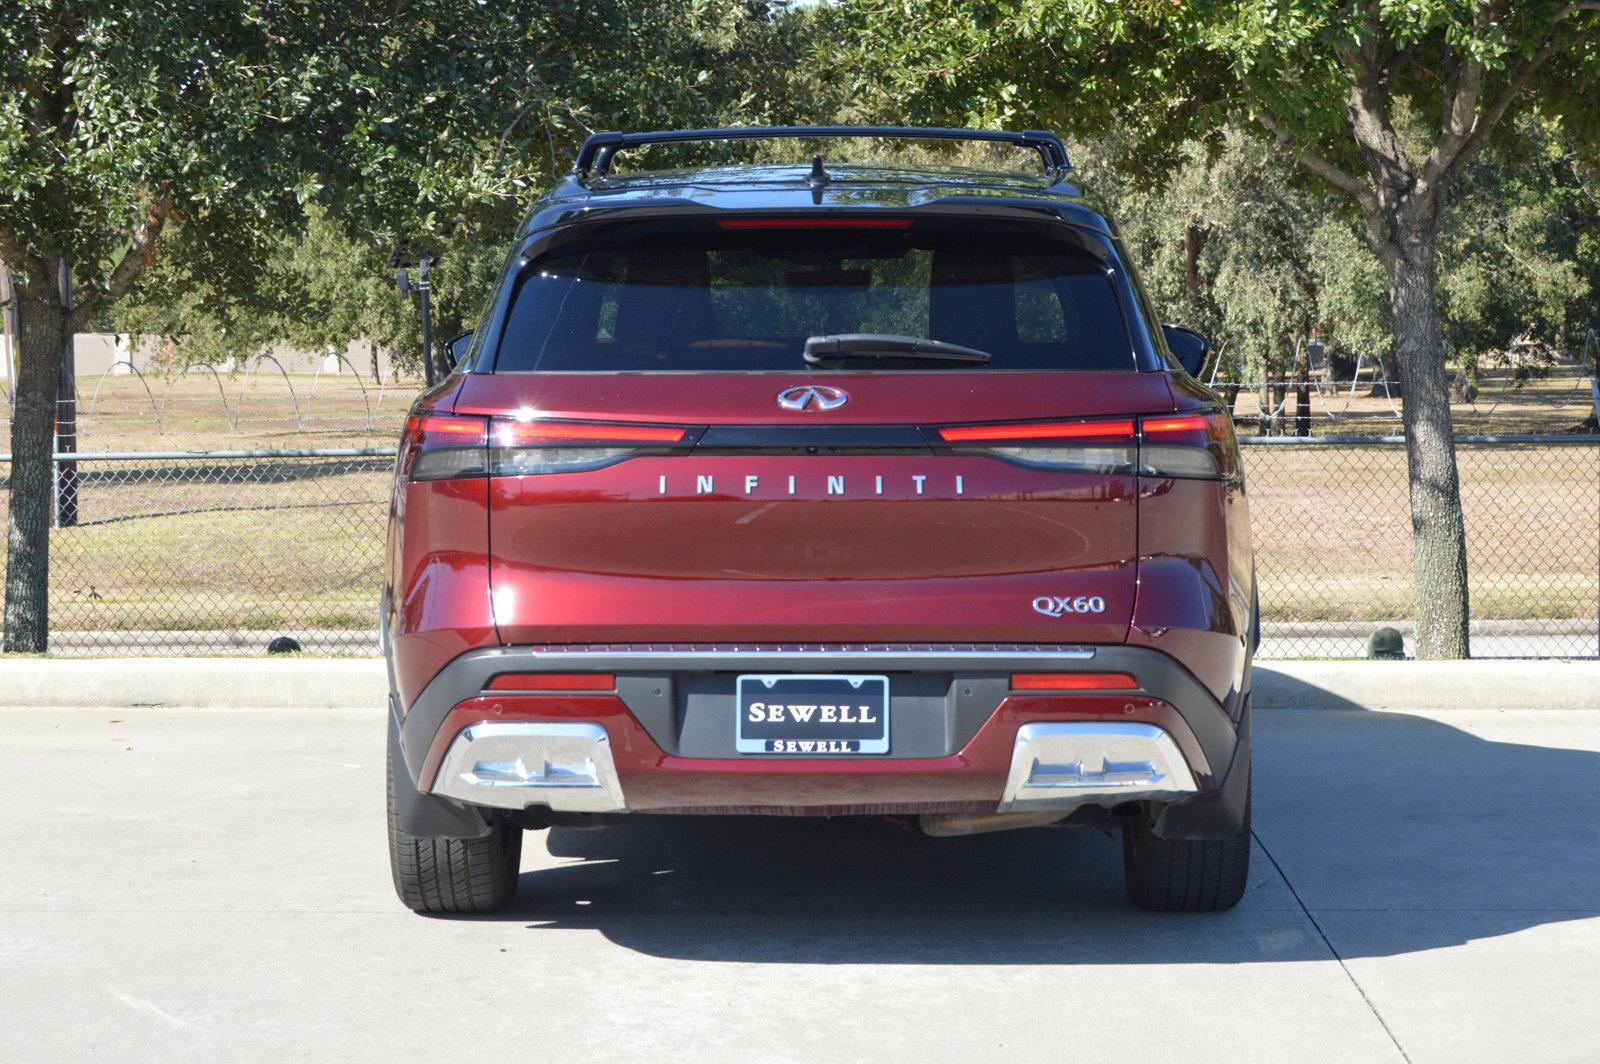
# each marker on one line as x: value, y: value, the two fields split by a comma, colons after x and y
x: 1054, y: 430
x: 446, y: 425
x: 552, y: 681
x: 814, y: 223
x: 1185, y: 423
x: 1073, y: 681
x: 520, y: 433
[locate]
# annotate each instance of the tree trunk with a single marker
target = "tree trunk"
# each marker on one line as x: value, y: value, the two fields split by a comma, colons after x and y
x: 1192, y: 237
x: 1438, y: 532
x: 41, y: 328
x: 1302, y: 389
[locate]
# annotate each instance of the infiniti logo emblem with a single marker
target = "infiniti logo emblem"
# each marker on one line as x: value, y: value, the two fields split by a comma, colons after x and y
x: 812, y: 397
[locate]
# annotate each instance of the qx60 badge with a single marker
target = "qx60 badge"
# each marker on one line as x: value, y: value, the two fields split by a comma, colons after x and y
x: 1061, y: 605
x: 812, y: 397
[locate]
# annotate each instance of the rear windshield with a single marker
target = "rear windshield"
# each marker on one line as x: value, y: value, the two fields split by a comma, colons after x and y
x: 714, y: 297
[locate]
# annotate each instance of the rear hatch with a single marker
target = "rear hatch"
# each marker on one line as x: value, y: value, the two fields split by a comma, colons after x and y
x: 668, y: 467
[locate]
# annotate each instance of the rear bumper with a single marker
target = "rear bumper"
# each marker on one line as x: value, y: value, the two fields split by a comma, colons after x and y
x: 965, y: 742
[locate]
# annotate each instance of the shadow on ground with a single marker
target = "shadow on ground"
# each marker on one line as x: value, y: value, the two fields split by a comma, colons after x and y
x: 1450, y: 836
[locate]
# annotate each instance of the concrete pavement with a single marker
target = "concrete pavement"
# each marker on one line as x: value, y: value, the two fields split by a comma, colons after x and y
x: 212, y: 885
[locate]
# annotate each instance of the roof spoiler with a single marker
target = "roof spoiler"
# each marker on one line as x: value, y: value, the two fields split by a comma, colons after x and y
x: 598, y: 150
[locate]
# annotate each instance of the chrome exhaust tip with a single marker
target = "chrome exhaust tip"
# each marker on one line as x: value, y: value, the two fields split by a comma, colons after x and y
x: 1064, y: 766
x: 516, y: 764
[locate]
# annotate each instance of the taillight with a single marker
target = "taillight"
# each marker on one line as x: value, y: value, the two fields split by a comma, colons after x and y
x: 441, y: 446
x: 1104, y: 446
x: 1073, y: 681
x: 1049, y: 430
x: 520, y: 447
x: 1197, y: 446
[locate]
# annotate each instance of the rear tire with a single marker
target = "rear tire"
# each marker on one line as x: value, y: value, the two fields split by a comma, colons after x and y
x: 450, y: 874
x: 1185, y: 875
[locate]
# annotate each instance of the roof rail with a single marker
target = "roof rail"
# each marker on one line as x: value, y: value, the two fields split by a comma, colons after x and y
x: 598, y: 150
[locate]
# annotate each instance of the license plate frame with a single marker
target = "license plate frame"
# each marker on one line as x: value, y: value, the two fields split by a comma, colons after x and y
x: 852, y: 736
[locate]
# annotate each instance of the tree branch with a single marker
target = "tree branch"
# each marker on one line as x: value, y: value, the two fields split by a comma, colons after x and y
x: 140, y: 253
x: 1466, y: 132
x: 1367, y: 108
x: 1460, y: 117
x: 1315, y: 162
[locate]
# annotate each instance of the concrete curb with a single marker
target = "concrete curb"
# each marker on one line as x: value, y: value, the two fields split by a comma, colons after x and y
x: 343, y: 683
x: 1428, y: 685
x: 214, y: 683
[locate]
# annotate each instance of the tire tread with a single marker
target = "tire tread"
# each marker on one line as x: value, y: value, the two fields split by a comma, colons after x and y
x: 453, y: 875
x: 1185, y: 875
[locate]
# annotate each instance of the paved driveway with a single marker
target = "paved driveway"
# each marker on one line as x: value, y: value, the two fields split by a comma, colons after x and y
x: 212, y: 885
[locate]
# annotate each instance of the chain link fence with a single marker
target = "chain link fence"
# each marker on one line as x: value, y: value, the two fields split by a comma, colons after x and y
x: 219, y: 552
x: 1332, y: 528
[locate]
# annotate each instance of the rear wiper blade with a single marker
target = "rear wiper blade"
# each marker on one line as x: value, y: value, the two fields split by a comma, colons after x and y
x: 883, y: 345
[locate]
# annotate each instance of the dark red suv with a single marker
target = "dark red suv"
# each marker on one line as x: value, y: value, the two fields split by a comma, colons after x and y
x: 820, y: 490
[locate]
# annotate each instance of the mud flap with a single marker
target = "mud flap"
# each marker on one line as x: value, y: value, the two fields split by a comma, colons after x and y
x: 423, y: 815
x: 1219, y: 813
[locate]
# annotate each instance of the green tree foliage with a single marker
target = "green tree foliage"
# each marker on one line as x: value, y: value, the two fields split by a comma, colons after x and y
x: 1383, y: 102
x: 322, y: 280
x: 196, y: 135
x: 1237, y: 244
x: 1224, y: 247
x: 1517, y: 256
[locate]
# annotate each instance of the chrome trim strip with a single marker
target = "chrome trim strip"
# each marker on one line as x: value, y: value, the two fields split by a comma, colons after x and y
x: 515, y: 764
x: 757, y: 657
x: 1063, y: 766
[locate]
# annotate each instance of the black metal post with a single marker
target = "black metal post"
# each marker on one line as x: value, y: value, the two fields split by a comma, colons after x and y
x: 423, y: 263
x: 66, y: 412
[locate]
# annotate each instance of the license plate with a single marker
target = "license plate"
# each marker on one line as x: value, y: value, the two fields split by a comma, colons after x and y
x: 827, y: 715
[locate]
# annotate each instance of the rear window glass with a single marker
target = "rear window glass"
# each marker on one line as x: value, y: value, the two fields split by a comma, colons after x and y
x: 710, y: 298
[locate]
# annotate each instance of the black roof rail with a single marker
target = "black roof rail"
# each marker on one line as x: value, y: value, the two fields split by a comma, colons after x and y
x: 596, y: 154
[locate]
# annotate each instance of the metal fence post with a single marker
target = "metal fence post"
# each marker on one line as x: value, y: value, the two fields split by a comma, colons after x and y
x: 66, y: 479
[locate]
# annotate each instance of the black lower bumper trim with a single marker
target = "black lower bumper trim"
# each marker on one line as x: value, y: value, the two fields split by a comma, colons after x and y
x: 424, y: 815
x: 1217, y: 813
